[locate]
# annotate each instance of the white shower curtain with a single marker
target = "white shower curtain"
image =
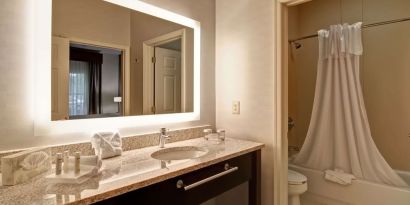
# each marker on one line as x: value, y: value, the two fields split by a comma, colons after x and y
x: 339, y: 134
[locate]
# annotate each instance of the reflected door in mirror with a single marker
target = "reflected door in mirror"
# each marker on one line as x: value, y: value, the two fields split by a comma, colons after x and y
x: 167, y: 81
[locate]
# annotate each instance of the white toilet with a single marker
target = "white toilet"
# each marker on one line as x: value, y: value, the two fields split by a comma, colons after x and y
x: 297, y: 185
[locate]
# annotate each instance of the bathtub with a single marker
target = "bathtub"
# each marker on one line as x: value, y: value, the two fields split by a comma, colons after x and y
x: 360, y: 192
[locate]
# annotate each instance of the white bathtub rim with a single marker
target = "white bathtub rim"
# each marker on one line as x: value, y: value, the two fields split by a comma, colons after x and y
x: 360, y: 192
x: 358, y: 180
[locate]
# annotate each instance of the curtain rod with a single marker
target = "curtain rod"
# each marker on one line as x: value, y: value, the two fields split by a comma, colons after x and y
x: 364, y: 26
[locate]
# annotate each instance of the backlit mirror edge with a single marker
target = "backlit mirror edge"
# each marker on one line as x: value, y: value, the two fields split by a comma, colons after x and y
x: 41, y: 60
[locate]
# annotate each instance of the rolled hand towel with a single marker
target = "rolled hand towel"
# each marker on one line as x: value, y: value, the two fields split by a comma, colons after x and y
x: 339, y: 176
x: 107, y: 144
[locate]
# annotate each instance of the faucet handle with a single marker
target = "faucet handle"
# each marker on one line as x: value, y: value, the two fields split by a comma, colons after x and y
x: 164, y: 130
x: 208, y: 131
x: 165, y: 138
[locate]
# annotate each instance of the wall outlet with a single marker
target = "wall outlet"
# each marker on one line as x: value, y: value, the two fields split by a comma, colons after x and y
x: 236, y: 107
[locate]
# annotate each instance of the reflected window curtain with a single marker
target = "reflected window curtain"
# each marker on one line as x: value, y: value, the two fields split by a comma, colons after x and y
x: 79, y: 88
x: 92, y: 60
x: 95, y: 87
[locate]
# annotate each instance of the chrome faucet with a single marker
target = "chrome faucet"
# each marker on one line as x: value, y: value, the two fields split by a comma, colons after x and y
x: 163, y: 137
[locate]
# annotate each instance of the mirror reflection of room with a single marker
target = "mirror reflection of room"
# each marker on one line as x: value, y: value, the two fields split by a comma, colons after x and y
x: 110, y: 61
x: 90, y: 68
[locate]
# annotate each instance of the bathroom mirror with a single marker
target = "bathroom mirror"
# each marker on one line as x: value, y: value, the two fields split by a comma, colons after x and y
x: 108, y: 60
x: 138, y: 115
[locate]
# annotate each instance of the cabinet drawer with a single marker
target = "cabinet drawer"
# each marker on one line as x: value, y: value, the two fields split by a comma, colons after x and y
x: 195, y: 187
x: 208, y: 182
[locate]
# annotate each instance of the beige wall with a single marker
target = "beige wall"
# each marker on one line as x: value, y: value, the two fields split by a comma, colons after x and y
x: 386, y: 90
x: 245, y: 46
x: 16, y: 120
x: 93, y: 20
x: 293, y: 32
x: 16, y: 80
x: 384, y: 70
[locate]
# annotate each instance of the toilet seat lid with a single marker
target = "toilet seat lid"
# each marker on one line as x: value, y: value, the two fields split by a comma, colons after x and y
x: 296, y: 177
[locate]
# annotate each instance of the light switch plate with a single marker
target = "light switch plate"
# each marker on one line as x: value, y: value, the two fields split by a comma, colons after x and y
x: 236, y: 107
x: 117, y: 99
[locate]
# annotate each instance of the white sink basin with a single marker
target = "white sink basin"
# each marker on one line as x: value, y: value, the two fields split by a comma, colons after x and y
x: 179, y: 153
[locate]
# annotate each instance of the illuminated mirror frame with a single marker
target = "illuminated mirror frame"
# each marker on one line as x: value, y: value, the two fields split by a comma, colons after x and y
x: 43, y: 125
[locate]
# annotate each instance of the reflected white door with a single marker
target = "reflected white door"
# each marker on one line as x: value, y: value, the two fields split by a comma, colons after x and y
x: 167, y: 81
x: 59, y: 79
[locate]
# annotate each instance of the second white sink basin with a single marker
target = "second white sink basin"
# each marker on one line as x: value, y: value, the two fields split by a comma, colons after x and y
x: 179, y: 153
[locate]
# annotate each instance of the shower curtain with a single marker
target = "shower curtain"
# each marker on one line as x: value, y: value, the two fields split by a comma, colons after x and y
x: 339, y: 134
x: 95, y: 107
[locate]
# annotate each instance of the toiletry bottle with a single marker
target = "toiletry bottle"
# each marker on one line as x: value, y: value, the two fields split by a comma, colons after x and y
x: 65, y: 161
x: 59, y: 161
x: 221, y: 134
x: 77, y: 163
x: 207, y: 132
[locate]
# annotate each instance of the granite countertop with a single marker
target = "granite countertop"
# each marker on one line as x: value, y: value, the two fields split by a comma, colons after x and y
x: 133, y: 170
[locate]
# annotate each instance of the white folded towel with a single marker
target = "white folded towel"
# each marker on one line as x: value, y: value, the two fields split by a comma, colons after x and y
x: 339, y: 176
x: 107, y: 144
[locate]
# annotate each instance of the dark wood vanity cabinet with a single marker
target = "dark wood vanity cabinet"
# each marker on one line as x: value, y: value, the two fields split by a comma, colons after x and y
x: 200, y: 185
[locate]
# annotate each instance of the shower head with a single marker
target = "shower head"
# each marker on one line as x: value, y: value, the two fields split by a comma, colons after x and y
x: 297, y: 45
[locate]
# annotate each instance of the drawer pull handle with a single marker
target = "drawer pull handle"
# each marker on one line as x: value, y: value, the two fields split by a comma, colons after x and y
x: 180, y: 183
